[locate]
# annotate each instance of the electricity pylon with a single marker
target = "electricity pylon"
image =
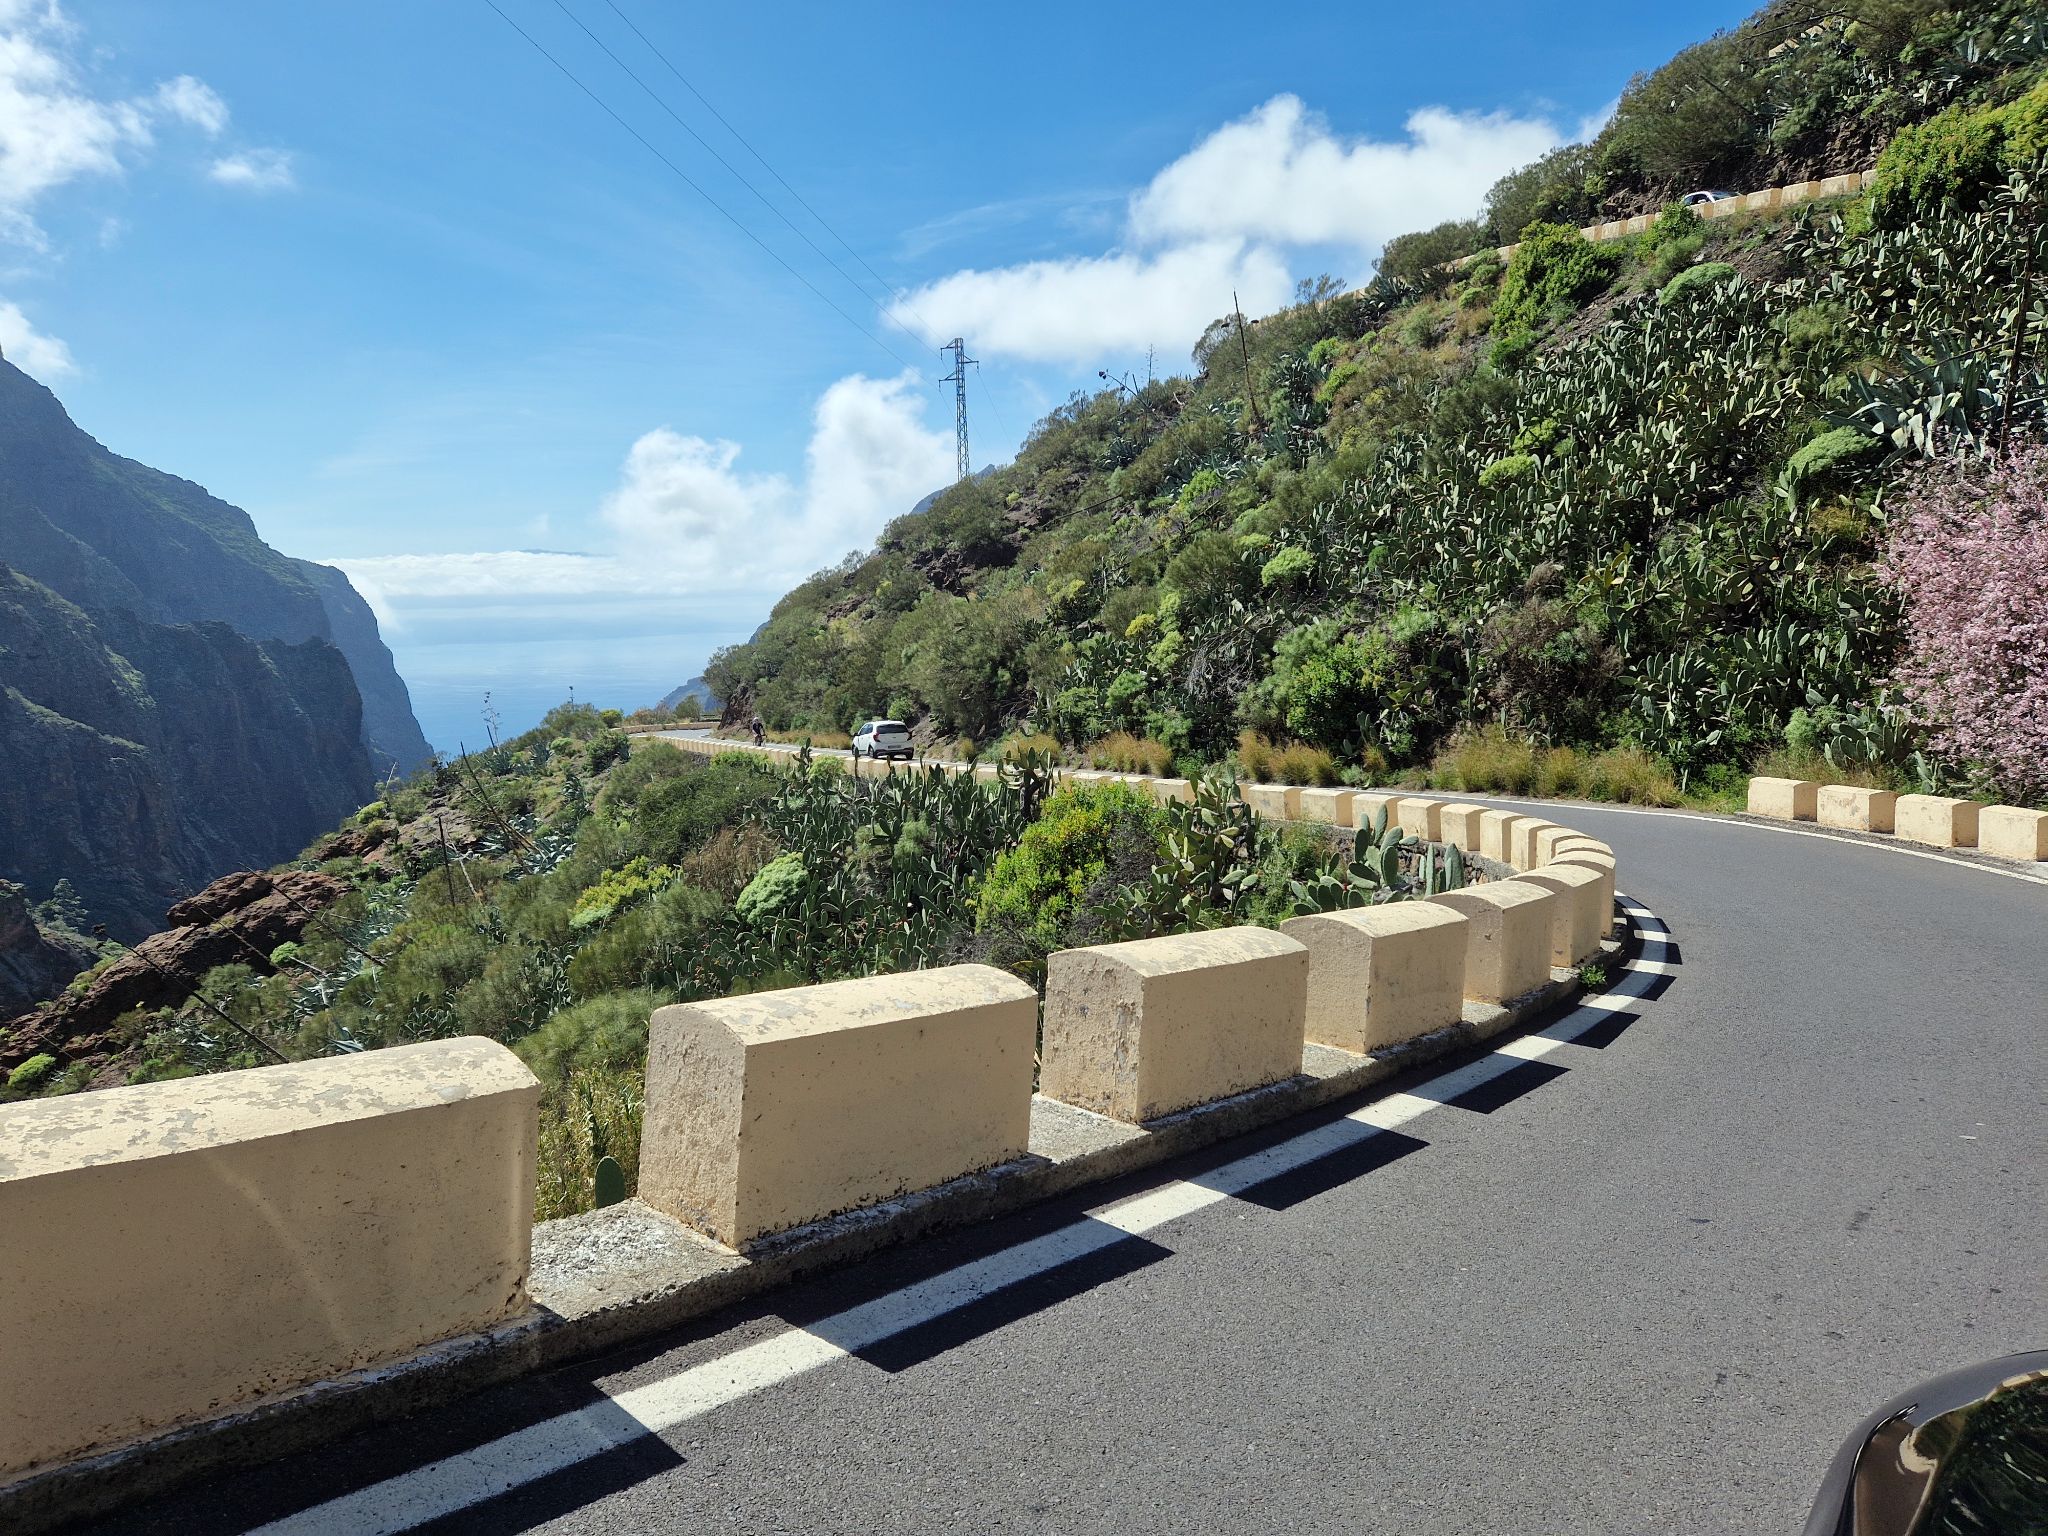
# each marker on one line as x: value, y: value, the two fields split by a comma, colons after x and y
x: 958, y: 379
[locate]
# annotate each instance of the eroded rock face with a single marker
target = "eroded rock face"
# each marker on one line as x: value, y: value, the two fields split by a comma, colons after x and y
x: 239, y: 919
x: 33, y: 965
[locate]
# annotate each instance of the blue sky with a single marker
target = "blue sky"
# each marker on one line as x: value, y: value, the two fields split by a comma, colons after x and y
x: 380, y: 274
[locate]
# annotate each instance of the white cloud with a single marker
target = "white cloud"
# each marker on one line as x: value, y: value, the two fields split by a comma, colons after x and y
x: 1279, y: 174
x: 1083, y: 308
x: 195, y: 102
x: 255, y: 170
x: 1242, y: 210
x: 55, y: 129
x: 687, y: 522
x: 29, y: 349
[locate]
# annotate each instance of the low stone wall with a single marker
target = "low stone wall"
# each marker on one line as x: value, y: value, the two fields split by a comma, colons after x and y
x: 202, y: 1243
x: 1934, y: 821
x: 174, y: 1249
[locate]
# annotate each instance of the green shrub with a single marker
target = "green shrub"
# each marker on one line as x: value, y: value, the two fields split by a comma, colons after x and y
x: 1553, y: 266
x: 1254, y: 756
x: 1696, y: 280
x: 1085, y: 837
x: 597, y: 1034
x: 1950, y: 160
x: 1512, y: 470
x: 779, y: 885
x: 592, y: 1115
x: 1825, y: 459
x: 31, y: 1072
x: 618, y: 889
x: 1512, y: 348
x: 1290, y: 565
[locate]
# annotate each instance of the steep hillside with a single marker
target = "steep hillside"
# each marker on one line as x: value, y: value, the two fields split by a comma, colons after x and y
x: 1629, y: 495
x: 111, y: 534
x: 140, y: 760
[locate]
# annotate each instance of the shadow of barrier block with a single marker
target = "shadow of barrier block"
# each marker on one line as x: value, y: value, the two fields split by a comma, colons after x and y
x: 1583, y: 910
x: 1380, y: 975
x: 1936, y: 820
x: 174, y: 1249
x: 778, y: 1108
x: 1786, y: 799
x: 1507, y: 949
x: 1142, y: 1029
x: 1857, y: 810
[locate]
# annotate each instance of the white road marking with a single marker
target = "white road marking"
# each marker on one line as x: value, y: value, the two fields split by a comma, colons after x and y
x: 526, y: 1455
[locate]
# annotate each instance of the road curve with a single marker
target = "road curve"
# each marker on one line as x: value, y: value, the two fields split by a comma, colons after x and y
x: 1652, y: 1294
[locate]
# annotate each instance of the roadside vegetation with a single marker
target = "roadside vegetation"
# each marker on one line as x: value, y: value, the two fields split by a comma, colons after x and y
x: 1603, y: 520
x: 1622, y: 522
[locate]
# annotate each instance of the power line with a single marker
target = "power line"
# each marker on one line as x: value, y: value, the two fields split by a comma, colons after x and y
x: 897, y: 293
x: 738, y: 175
x: 685, y: 178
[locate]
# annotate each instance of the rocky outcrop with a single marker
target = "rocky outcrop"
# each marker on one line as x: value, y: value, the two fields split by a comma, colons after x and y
x: 239, y: 919
x: 33, y: 965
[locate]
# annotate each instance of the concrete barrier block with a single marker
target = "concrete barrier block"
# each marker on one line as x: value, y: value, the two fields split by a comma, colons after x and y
x: 1173, y: 789
x: 1142, y: 1029
x: 1786, y: 799
x: 1276, y: 802
x: 1859, y: 810
x: 174, y: 1249
x: 1419, y: 818
x: 1528, y: 836
x: 1497, y: 834
x: 1548, y: 838
x: 1460, y: 824
x: 1089, y: 776
x: 1507, y: 948
x: 2011, y: 832
x: 1326, y: 805
x: 1936, y: 820
x: 1366, y: 805
x: 1582, y: 917
x: 1381, y: 975
x: 1603, y: 863
x: 777, y: 1108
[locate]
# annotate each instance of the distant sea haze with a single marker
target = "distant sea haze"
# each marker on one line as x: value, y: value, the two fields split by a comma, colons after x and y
x: 451, y: 709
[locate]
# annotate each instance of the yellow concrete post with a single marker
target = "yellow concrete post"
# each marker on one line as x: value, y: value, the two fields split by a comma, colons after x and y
x: 1937, y: 820
x: 777, y: 1108
x: 174, y: 1249
x: 1786, y: 799
x: 2012, y: 832
x: 1142, y: 1029
x: 1507, y: 947
x: 1381, y: 975
x: 1858, y: 810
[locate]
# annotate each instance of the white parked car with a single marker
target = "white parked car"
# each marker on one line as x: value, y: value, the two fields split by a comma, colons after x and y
x: 1714, y: 195
x: 883, y: 739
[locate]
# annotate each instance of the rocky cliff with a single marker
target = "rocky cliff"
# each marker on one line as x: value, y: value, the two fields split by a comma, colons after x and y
x: 140, y: 760
x: 110, y: 534
x: 177, y: 698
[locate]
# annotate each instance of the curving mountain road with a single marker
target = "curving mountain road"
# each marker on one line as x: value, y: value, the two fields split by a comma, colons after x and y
x: 1652, y: 1292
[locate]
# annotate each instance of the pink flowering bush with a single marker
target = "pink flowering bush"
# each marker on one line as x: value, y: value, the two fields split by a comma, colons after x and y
x: 1969, y: 559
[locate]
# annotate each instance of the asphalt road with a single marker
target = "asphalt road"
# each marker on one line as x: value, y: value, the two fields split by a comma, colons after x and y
x: 1650, y: 1294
